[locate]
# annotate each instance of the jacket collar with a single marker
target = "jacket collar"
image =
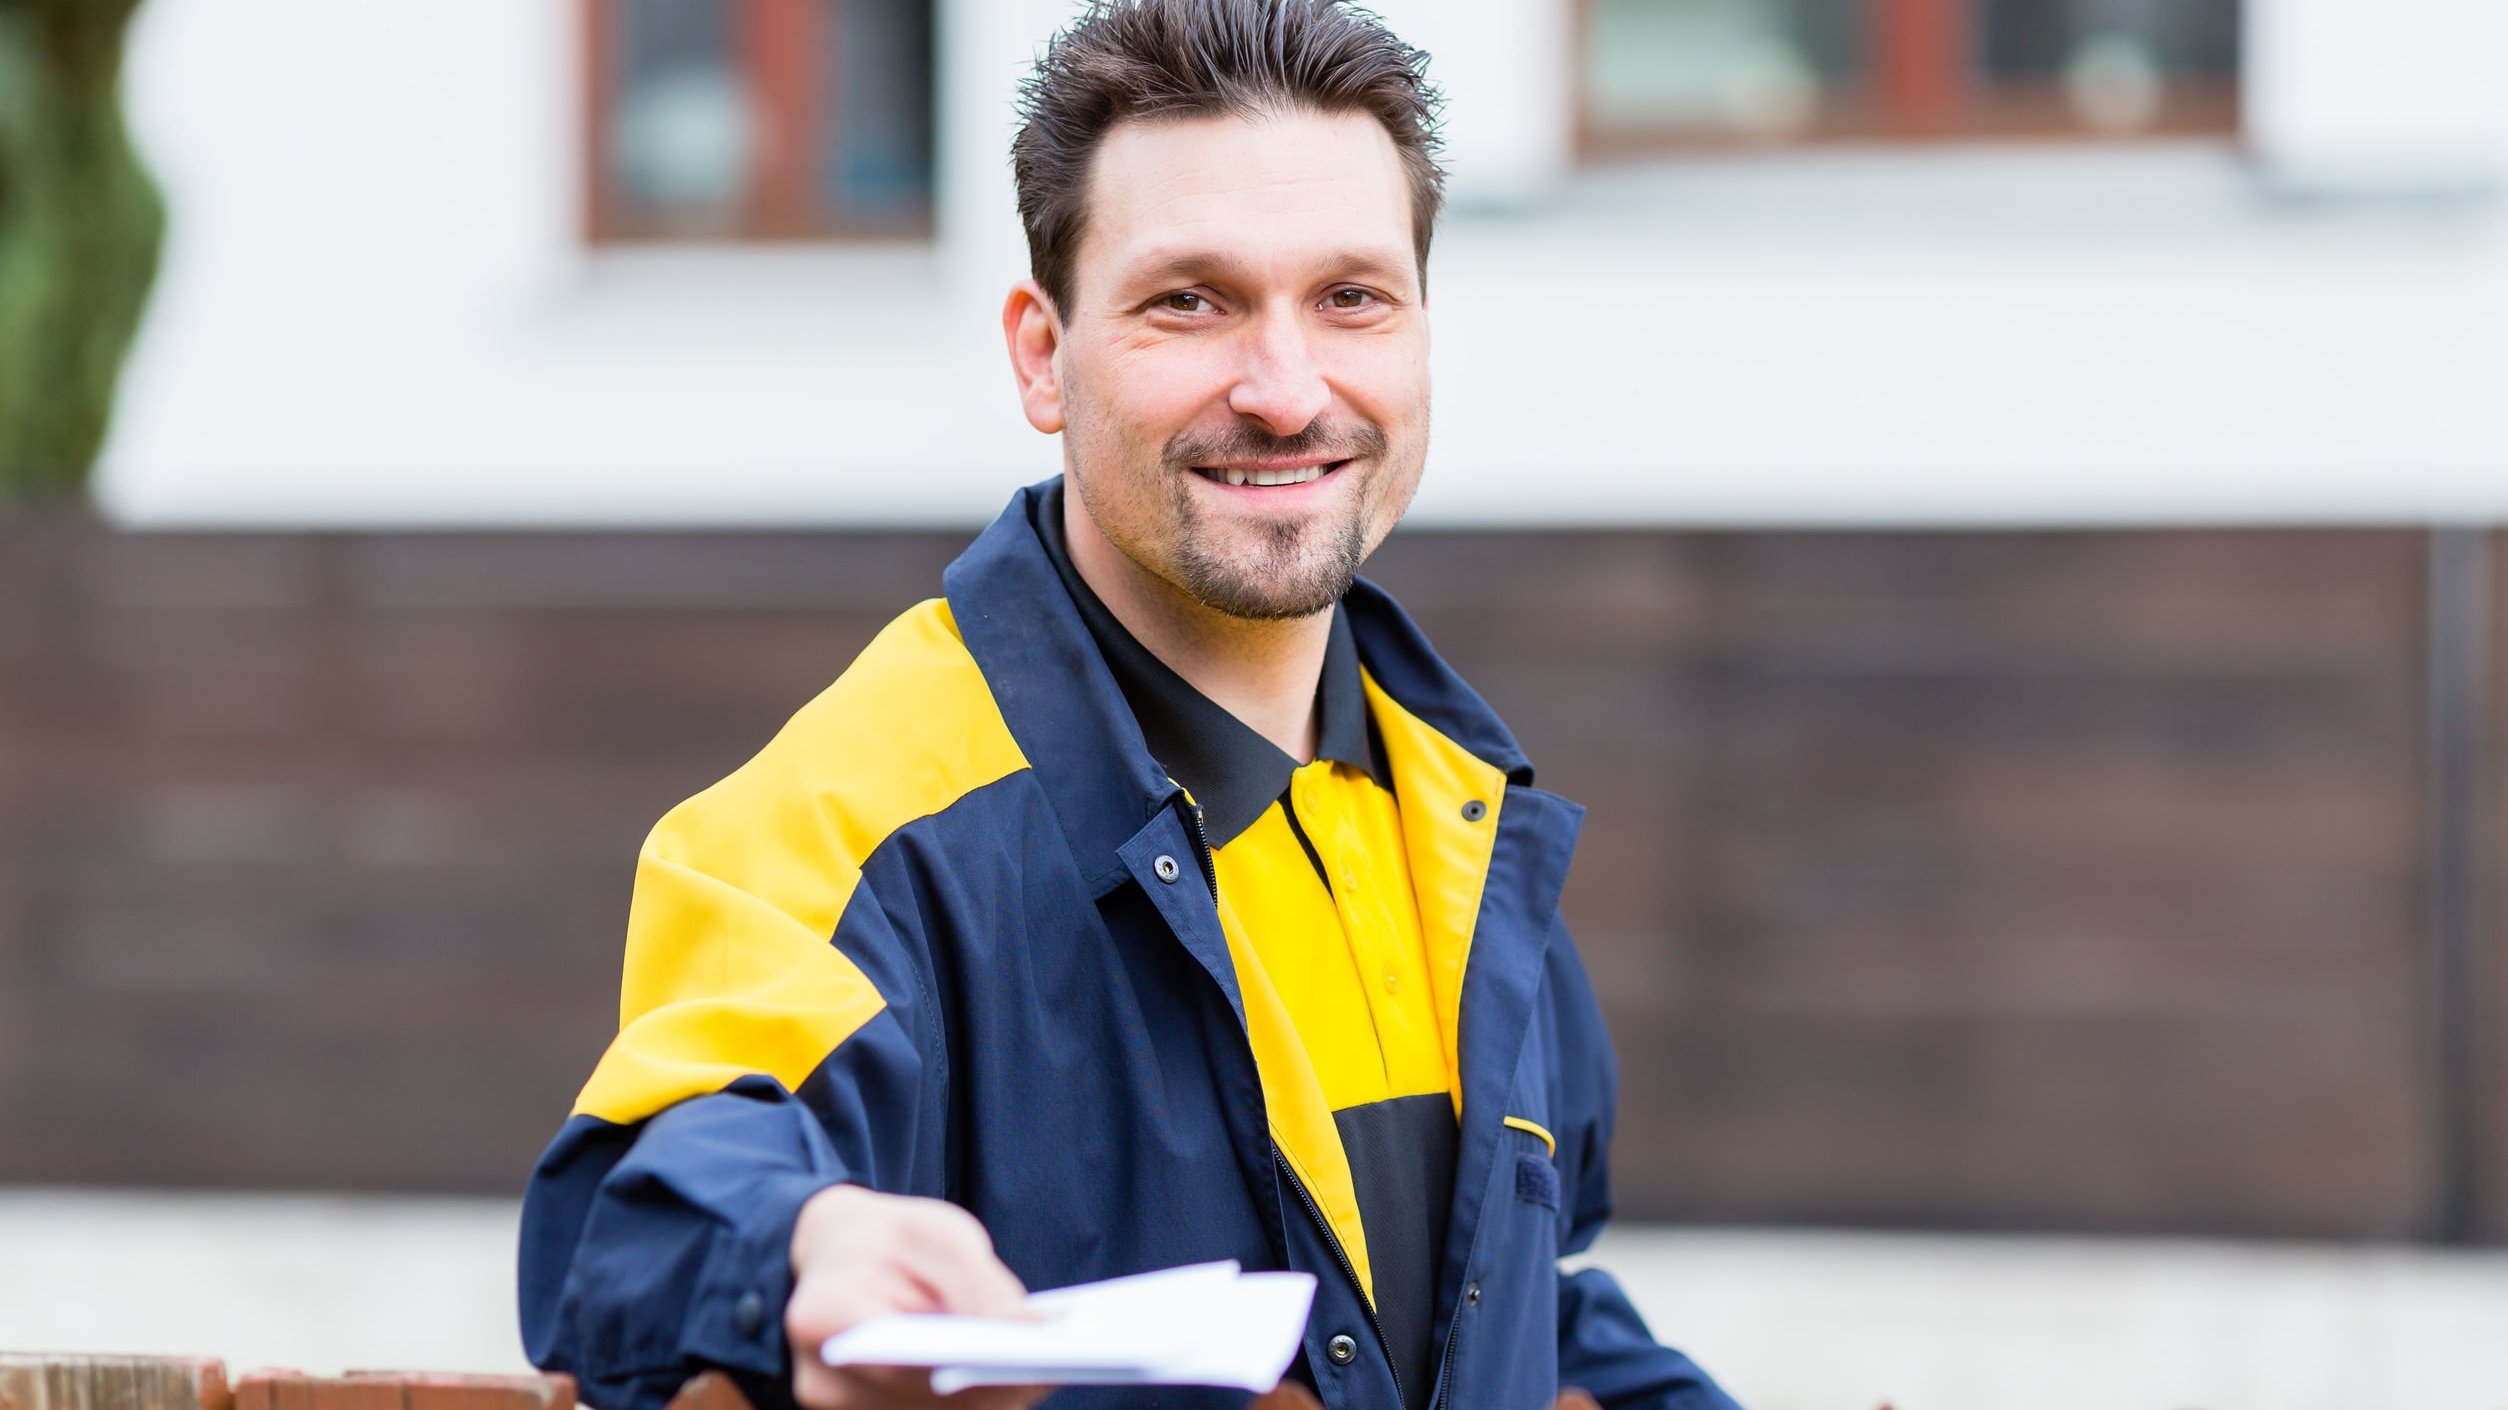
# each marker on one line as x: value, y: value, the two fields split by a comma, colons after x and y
x: 1070, y: 716
x: 1232, y: 771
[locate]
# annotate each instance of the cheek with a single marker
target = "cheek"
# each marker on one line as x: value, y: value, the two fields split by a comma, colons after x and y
x: 1155, y: 390
x: 1386, y: 379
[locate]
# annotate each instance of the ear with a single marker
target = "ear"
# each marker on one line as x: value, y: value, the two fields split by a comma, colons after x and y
x: 1034, y: 336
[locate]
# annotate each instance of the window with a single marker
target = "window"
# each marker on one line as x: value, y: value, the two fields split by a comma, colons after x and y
x: 1669, y: 73
x: 758, y: 119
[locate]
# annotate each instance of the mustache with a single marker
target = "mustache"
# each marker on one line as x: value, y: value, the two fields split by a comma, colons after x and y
x: 1352, y: 441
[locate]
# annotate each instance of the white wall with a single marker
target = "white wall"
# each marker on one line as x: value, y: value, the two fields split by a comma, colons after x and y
x: 1786, y: 1319
x: 375, y: 310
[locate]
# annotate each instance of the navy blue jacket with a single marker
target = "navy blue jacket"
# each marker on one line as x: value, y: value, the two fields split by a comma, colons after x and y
x: 948, y: 935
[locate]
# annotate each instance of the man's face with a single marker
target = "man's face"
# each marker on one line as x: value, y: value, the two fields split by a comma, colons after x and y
x: 1244, y: 367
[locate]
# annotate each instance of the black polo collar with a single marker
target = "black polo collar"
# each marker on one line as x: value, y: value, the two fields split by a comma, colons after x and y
x: 1231, y: 771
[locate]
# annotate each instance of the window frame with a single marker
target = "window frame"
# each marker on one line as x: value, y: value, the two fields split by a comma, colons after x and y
x: 1920, y: 94
x: 779, y: 45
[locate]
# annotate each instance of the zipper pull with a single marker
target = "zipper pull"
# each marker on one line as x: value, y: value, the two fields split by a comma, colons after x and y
x: 1201, y: 842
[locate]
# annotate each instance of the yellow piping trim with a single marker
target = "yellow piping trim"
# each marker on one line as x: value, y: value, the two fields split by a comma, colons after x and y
x: 1520, y: 1124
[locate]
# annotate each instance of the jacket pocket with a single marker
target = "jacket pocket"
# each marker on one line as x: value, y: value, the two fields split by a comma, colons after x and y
x: 1537, y: 1180
x: 1536, y: 1170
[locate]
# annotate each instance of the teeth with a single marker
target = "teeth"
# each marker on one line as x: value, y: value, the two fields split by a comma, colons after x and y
x: 1267, y: 477
x: 1264, y: 478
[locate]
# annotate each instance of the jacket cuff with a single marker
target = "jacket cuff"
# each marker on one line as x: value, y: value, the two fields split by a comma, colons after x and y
x: 736, y: 1313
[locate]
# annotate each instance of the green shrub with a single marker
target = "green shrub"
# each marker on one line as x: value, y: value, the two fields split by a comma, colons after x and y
x: 80, y: 227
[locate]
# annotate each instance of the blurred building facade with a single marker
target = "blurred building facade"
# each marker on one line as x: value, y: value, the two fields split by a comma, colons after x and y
x: 1713, y: 261
x: 1992, y: 505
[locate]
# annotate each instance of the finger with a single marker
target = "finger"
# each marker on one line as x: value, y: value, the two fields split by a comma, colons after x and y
x: 952, y: 1256
x: 853, y: 1385
x: 865, y: 1388
x: 893, y: 1385
x: 818, y: 1386
x: 998, y: 1397
x: 841, y: 1388
x: 824, y: 1305
x: 976, y: 1285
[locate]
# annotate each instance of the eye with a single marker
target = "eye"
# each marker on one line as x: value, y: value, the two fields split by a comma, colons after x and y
x: 1183, y: 301
x: 1348, y: 299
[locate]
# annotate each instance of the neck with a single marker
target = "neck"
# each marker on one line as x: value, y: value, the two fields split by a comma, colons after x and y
x: 1264, y: 673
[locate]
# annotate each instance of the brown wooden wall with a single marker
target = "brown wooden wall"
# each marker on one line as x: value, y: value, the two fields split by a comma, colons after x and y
x: 2073, y: 880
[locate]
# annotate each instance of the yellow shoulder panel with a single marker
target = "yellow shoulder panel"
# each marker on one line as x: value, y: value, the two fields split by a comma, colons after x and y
x: 731, y: 967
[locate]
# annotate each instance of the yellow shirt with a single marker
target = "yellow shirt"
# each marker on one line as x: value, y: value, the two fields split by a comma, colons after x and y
x: 1315, y: 899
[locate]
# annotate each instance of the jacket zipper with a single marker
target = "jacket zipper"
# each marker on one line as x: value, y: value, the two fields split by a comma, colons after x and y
x: 1454, y: 1332
x: 1210, y: 873
x: 1454, y: 1325
x: 1333, y: 1241
x: 1201, y: 840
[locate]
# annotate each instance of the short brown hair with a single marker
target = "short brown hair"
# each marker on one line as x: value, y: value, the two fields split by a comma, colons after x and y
x: 1127, y: 59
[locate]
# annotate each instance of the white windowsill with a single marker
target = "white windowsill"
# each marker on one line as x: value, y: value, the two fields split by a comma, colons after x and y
x: 883, y: 293
x: 2022, y: 190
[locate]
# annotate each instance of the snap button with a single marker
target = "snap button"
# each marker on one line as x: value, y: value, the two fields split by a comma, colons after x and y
x: 1471, y: 1294
x: 749, y: 1314
x: 1393, y: 981
x: 1475, y: 810
x: 1342, y: 1350
x: 1166, y: 868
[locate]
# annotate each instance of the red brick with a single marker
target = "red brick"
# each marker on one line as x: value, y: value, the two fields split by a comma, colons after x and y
x: 358, y: 1393
x: 274, y: 1388
x: 441, y: 1392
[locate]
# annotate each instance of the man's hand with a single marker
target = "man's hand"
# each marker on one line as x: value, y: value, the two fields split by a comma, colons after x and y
x: 857, y: 1254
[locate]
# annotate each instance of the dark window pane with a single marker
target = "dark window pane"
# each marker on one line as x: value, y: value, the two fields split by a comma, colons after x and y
x: 2039, y: 37
x: 1768, y: 68
x: 2111, y: 61
x: 876, y: 143
x: 682, y: 122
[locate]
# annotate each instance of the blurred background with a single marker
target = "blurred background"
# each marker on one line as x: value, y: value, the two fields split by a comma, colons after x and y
x: 1996, y: 506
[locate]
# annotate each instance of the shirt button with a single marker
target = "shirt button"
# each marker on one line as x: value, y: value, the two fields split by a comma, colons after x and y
x: 749, y: 1314
x: 1166, y: 868
x: 1342, y: 1350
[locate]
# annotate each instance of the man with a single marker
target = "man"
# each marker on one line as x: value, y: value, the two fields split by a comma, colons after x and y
x: 1157, y: 895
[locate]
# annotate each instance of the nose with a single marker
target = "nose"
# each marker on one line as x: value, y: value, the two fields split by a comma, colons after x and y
x: 1280, y: 384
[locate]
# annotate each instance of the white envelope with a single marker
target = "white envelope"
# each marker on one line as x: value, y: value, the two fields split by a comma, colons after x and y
x: 1204, y: 1324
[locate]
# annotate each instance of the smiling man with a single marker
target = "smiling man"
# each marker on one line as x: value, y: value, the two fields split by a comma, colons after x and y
x: 1155, y: 895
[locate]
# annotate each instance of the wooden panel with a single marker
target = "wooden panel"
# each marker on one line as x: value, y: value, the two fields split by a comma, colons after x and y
x: 318, y: 848
x: 2489, y: 1037
x: 2026, y: 879
x: 55, y: 1381
x: 2056, y: 880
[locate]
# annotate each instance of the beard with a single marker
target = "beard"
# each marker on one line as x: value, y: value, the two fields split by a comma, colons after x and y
x: 1295, y: 569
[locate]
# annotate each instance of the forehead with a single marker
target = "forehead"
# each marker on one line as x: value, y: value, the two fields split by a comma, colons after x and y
x: 1279, y: 192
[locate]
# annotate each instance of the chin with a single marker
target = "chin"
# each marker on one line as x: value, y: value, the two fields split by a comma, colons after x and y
x: 1249, y: 588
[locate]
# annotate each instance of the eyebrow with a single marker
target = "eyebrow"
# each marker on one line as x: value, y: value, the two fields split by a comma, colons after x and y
x: 1200, y: 265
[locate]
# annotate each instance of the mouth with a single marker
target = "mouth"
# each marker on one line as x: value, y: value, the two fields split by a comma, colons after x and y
x: 1272, y: 476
